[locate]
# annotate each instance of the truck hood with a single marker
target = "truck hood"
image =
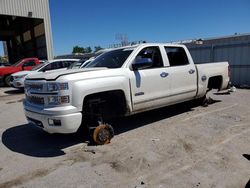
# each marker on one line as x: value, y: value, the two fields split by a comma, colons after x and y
x: 56, y: 74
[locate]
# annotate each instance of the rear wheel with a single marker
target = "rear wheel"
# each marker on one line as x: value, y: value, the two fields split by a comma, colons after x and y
x: 7, y: 80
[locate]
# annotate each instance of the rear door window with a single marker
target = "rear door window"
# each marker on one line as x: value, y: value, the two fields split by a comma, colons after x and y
x: 176, y: 56
x: 51, y: 66
x: 57, y: 65
x: 66, y: 64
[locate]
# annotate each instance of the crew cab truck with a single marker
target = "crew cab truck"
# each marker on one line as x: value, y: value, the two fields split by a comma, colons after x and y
x: 120, y: 82
x: 24, y: 64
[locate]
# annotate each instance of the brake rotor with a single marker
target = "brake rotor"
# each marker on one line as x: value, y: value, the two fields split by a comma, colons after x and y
x: 103, y: 134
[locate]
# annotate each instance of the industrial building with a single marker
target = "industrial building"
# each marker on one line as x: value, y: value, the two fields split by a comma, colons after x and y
x: 25, y: 29
x: 235, y: 49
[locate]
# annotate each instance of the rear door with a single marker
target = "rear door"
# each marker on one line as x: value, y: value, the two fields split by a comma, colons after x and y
x: 150, y: 86
x: 182, y: 74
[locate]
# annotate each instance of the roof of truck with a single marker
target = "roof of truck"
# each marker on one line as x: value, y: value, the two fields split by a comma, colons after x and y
x: 147, y: 44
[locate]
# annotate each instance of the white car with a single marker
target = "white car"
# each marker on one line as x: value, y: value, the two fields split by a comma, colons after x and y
x: 17, y: 79
x: 81, y: 64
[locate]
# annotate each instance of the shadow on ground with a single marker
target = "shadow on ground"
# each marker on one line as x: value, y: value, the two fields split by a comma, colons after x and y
x: 222, y: 93
x: 12, y: 91
x: 248, y: 184
x: 247, y: 156
x: 29, y: 140
x: 142, y: 119
x: 32, y: 141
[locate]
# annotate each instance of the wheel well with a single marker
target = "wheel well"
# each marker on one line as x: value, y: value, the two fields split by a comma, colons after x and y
x: 108, y: 104
x: 215, y: 82
x: 5, y: 76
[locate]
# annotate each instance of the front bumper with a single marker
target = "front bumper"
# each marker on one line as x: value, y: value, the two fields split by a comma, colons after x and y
x: 17, y: 83
x: 69, y: 123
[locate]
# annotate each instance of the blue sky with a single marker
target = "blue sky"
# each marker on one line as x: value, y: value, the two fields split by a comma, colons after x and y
x: 96, y: 22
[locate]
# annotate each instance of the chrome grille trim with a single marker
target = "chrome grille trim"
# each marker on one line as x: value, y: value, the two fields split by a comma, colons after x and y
x: 35, y: 99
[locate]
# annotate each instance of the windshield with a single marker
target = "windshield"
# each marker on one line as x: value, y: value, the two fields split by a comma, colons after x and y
x: 17, y: 64
x: 86, y: 63
x: 37, y: 67
x: 112, y: 59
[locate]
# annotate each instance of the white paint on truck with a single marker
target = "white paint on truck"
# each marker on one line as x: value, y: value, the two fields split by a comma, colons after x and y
x: 149, y: 75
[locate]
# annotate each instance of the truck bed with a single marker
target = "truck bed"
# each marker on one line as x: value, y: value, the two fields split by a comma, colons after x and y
x: 214, y: 69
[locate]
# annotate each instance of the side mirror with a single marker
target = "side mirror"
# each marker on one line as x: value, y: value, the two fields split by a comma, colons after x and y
x: 142, y: 63
x: 23, y: 67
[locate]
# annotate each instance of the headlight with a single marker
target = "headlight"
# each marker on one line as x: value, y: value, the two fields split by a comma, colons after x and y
x: 19, y: 77
x: 57, y: 86
x: 55, y: 100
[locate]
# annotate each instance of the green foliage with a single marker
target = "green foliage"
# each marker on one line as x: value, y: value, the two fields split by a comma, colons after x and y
x: 77, y: 49
x: 88, y: 49
x: 97, y: 48
x: 3, y: 59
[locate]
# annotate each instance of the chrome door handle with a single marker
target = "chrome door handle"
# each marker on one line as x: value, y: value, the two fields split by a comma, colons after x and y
x: 164, y: 74
x: 191, y: 71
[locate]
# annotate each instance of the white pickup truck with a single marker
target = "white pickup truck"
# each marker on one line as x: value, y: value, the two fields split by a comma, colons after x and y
x: 120, y: 82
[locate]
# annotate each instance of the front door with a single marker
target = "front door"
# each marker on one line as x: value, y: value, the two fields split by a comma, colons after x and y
x: 150, y: 86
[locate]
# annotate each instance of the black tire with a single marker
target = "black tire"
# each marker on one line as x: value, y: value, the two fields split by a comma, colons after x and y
x: 7, y: 80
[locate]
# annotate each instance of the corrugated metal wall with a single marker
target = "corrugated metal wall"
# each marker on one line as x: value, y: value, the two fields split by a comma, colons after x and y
x: 234, y: 49
x: 39, y: 9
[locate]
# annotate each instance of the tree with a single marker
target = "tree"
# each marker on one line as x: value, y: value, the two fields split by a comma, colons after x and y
x: 88, y: 49
x: 3, y: 59
x: 97, y: 48
x: 77, y: 49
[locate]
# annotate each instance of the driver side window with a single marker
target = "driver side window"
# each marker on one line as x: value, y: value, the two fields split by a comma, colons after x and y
x: 29, y: 63
x: 152, y: 53
x: 51, y: 66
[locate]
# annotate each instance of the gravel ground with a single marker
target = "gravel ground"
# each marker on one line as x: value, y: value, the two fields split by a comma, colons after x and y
x: 178, y: 146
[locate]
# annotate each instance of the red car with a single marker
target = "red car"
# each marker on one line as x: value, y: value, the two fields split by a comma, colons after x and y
x: 24, y: 64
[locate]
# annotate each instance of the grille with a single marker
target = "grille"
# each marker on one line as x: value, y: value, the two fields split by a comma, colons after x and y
x: 35, y: 99
x: 38, y: 87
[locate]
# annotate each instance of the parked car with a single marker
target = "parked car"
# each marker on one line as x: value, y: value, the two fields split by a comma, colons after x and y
x: 84, y: 62
x: 43, y: 61
x: 81, y: 64
x: 17, y: 79
x: 117, y: 83
x: 24, y: 64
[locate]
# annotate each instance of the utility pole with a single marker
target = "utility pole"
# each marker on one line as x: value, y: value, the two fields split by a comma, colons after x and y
x: 123, y: 38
